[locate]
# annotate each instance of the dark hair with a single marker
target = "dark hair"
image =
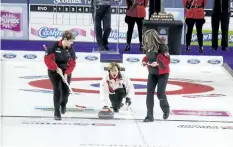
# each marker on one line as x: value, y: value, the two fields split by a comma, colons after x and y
x: 69, y: 35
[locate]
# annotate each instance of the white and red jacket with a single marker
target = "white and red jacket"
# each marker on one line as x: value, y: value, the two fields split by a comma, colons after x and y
x: 108, y: 85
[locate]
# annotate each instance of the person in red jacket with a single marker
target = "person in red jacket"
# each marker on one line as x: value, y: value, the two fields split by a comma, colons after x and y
x: 157, y: 60
x: 60, y: 60
x: 135, y: 12
x: 194, y: 14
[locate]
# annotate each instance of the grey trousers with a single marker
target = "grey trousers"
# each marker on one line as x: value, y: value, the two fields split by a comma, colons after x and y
x: 102, y: 15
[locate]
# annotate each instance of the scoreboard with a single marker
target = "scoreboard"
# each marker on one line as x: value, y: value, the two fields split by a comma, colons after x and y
x: 49, y: 18
x: 48, y: 21
x: 66, y: 15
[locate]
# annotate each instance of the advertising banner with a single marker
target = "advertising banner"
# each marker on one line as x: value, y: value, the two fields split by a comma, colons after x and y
x: 48, y: 19
x: 132, y: 59
x: 38, y: 56
x: 14, y: 20
x: 207, y: 31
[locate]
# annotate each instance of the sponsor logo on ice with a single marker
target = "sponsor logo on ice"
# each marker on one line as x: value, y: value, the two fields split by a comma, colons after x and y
x: 85, y: 110
x: 30, y: 56
x: 91, y: 58
x: 9, y: 56
x: 132, y: 59
x: 66, y: 123
x: 201, y: 113
x: 193, y: 61
x: 204, y: 95
x: 204, y: 127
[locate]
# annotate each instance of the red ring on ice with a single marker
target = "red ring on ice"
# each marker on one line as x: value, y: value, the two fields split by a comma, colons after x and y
x: 187, y: 88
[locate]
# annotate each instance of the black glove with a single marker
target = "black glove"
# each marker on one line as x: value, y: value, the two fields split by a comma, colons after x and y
x: 128, y: 101
x: 106, y: 108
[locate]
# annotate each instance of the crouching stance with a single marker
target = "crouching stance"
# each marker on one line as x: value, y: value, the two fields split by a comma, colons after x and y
x: 157, y: 60
x: 114, y: 87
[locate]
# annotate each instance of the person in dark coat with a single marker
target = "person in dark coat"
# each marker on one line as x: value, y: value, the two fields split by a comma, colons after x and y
x: 157, y: 60
x: 135, y: 13
x: 101, y: 13
x: 221, y: 13
x: 194, y: 15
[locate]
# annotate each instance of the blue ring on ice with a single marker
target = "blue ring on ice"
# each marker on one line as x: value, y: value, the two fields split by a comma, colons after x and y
x: 136, y: 86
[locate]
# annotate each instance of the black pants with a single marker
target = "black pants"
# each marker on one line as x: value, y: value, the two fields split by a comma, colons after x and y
x: 60, y: 89
x: 131, y: 22
x: 153, y: 81
x: 154, y: 6
x: 102, y: 15
x: 190, y: 24
x: 116, y: 98
x: 224, y: 19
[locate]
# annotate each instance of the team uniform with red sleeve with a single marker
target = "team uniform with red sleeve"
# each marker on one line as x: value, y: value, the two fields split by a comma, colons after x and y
x: 194, y: 14
x: 135, y: 13
x: 158, y: 76
x: 63, y: 58
x: 115, y: 89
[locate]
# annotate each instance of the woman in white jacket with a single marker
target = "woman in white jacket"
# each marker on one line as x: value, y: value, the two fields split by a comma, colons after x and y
x: 114, y: 87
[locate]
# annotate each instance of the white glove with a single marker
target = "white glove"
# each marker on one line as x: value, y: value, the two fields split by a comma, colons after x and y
x: 65, y: 78
x: 154, y: 64
x: 59, y: 71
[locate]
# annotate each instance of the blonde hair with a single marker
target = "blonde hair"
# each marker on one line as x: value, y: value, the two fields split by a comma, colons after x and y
x: 151, y: 40
x: 69, y: 35
x: 112, y: 65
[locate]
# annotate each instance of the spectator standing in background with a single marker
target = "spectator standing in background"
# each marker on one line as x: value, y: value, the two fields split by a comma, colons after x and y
x: 221, y: 13
x: 101, y: 13
x: 194, y: 15
x: 135, y: 12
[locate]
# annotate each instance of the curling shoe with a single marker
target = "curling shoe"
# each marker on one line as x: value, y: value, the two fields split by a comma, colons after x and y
x: 127, y: 48
x: 63, y: 109
x: 201, y: 49
x: 57, y: 115
x: 141, y: 48
x: 116, y: 110
x: 121, y: 105
x: 224, y: 49
x: 165, y: 115
x: 188, y: 49
x: 147, y: 119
